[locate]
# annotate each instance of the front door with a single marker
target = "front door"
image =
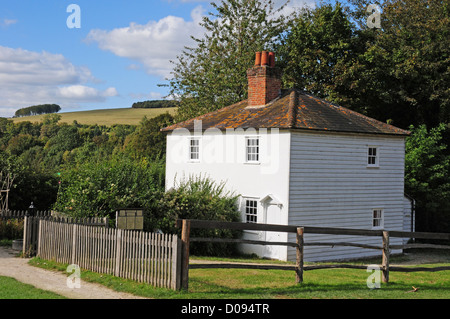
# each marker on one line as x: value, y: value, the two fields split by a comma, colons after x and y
x: 273, y: 216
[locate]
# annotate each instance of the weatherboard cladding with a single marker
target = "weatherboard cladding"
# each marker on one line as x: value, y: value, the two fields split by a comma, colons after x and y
x: 294, y: 109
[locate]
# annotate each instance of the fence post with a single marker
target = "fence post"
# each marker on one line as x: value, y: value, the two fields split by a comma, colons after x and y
x: 185, y: 233
x: 385, y: 259
x: 299, y: 261
x: 25, y: 233
x: 176, y: 262
x: 74, y: 242
x: 28, y: 230
x: 118, y: 252
x: 39, y: 238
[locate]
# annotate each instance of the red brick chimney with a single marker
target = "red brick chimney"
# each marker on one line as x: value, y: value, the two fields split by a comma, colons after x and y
x: 264, y: 80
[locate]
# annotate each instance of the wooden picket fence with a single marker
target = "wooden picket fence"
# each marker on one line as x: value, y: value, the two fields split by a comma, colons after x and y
x: 31, y: 228
x: 141, y: 256
x: 20, y: 214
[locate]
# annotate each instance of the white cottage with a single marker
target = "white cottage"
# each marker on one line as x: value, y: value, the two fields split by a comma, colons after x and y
x: 295, y: 159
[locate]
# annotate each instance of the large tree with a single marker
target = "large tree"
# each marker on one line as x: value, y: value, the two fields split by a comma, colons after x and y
x: 406, y: 65
x: 319, y: 52
x: 212, y: 74
x: 427, y: 167
x: 397, y: 73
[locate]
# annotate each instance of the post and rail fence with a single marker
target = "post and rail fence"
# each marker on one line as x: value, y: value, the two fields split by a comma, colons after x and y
x: 163, y: 260
x: 186, y: 225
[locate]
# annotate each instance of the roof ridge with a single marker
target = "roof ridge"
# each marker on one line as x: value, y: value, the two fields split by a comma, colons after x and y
x: 199, y: 117
x: 292, y: 110
x: 355, y: 113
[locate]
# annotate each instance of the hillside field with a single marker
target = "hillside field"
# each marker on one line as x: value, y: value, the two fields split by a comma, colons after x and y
x: 104, y: 117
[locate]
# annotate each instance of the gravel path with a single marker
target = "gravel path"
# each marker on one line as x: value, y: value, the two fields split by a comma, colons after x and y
x: 18, y: 268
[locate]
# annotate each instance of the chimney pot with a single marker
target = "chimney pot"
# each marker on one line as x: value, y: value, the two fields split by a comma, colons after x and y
x: 264, y: 58
x: 258, y: 59
x: 271, y: 59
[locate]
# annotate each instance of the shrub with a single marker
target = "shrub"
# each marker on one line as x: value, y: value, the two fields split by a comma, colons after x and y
x: 200, y: 198
x: 11, y: 229
x: 99, y: 189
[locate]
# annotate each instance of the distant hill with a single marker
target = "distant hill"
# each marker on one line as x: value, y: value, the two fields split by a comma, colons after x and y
x: 107, y: 117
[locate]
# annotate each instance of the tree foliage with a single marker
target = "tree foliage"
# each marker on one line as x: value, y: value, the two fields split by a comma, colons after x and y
x: 38, y: 110
x: 154, y: 104
x: 36, y: 152
x: 427, y: 167
x: 212, y: 74
x: 399, y: 73
x: 200, y: 198
x: 318, y: 53
x: 100, y: 188
x: 406, y: 65
x: 148, y: 141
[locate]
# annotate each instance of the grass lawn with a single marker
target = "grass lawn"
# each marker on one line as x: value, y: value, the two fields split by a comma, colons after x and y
x: 13, y: 289
x: 106, y: 117
x: 280, y: 284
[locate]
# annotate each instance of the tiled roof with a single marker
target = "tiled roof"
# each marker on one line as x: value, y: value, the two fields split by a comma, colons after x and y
x: 295, y: 109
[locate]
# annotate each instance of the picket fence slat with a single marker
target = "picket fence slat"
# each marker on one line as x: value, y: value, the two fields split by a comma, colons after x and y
x: 140, y: 256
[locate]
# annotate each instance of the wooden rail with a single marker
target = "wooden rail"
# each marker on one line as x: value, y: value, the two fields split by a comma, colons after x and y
x: 299, y: 267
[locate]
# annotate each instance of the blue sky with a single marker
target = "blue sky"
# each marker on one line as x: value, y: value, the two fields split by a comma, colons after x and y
x: 118, y: 56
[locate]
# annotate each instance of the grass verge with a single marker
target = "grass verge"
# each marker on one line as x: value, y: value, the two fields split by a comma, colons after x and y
x: 280, y: 284
x: 10, y: 288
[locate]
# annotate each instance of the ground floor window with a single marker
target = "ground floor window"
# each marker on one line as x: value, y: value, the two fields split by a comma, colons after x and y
x: 251, y: 210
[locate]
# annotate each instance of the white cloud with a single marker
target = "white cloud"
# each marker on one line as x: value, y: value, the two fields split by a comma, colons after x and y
x: 153, y: 44
x: 8, y: 22
x: 82, y: 93
x: 18, y: 66
x: 147, y: 96
x: 30, y: 78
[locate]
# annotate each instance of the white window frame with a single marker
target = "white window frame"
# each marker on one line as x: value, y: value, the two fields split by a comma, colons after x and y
x: 378, y: 218
x: 190, y: 152
x: 373, y: 160
x: 250, y: 212
x: 256, y: 156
